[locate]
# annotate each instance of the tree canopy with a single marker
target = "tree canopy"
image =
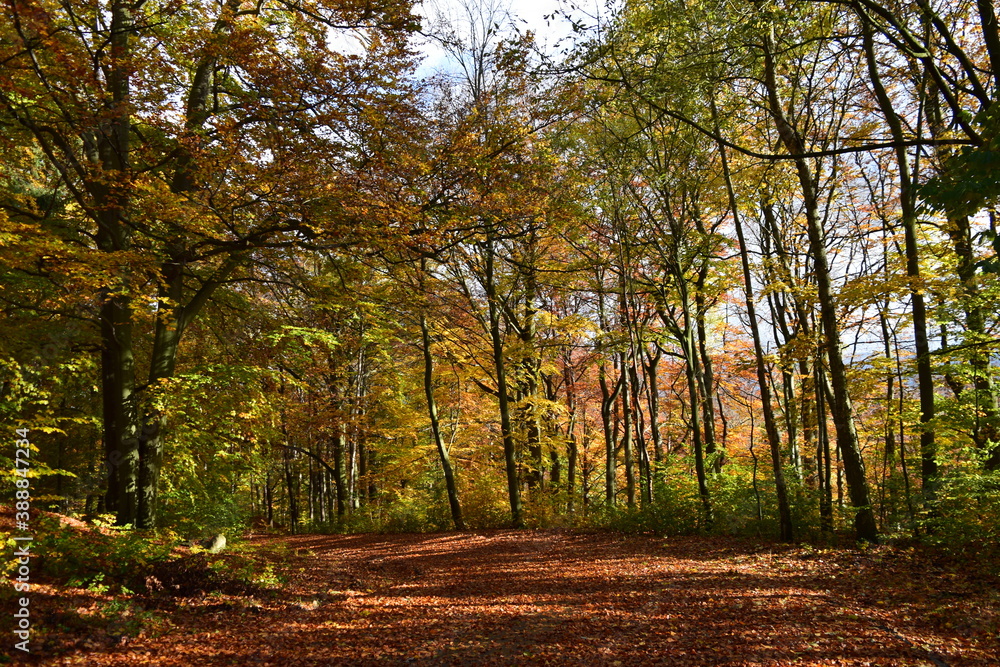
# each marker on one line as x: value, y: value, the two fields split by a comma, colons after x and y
x: 716, y: 267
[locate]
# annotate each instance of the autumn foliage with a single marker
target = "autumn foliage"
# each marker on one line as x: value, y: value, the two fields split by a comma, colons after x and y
x: 710, y: 271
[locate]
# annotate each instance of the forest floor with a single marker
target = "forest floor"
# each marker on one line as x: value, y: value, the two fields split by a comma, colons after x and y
x: 564, y: 598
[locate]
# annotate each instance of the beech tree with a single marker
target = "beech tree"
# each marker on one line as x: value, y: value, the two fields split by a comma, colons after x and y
x: 185, y: 138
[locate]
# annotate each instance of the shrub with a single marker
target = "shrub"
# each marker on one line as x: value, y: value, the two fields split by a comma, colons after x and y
x: 202, y: 513
x: 966, y: 514
x: 109, y: 558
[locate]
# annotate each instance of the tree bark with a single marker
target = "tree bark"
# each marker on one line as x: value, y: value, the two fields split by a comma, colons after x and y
x: 627, y: 443
x: 786, y: 528
x: 842, y: 409
x: 908, y: 201
x: 432, y: 412
x: 499, y: 365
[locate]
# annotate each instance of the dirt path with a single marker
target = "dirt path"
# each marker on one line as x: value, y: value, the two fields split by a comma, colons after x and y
x: 507, y: 598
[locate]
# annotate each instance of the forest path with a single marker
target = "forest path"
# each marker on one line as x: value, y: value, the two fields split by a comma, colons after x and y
x: 550, y: 597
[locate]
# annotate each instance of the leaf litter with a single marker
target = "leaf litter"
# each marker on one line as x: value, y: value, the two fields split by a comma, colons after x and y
x: 565, y: 598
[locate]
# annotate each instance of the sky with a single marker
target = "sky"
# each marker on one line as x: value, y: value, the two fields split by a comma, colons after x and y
x: 528, y: 14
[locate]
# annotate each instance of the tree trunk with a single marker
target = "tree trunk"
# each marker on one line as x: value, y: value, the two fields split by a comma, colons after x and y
x: 653, y: 390
x: 842, y: 409
x: 340, y: 479
x: 110, y: 147
x: 572, y: 447
x: 608, y: 398
x: 627, y: 419
x: 770, y: 424
x: 293, y: 501
x: 506, y: 432
x: 707, y: 377
x: 693, y: 382
x: 432, y: 412
x: 535, y: 475
x: 645, y: 472
x: 121, y: 446
x: 907, y: 201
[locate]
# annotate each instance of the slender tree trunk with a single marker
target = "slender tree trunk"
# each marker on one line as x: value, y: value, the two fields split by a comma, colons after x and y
x: 626, y: 442
x: 340, y: 479
x: 645, y: 473
x: 535, y: 477
x: 707, y: 380
x: 907, y: 199
x: 506, y: 431
x: 693, y: 382
x: 293, y: 501
x: 823, y: 456
x: 770, y: 423
x: 790, y: 401
x: 986, y: 428
x: 166, y: 342
x: 572, y: 445
x: 842, y: 409
x: 889, y: 431
x: 807, y: 409
x: 432, y: 412
x: 608, y: 398
x: 653, y: 389
x: 269, y: 499
x: 586, y: 467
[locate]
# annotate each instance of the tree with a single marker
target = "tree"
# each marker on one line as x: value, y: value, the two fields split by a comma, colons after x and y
x: 187, y: 140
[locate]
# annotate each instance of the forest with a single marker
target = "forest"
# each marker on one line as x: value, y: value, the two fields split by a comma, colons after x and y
x: 387, y: 332
x: 704, y: 268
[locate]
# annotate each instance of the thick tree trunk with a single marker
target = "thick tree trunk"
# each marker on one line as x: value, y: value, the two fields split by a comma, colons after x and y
x: 110, y: 148
x: 121, y: 446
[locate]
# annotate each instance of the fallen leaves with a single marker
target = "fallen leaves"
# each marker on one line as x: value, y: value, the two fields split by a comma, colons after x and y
x: 519, y: 597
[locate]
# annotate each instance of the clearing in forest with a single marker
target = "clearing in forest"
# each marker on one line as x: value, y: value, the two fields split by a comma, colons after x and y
x: 550, y: 597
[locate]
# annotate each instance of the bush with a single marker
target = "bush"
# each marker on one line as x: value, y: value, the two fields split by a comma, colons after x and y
x: 966, y: 514
x: 675, y: 510
x: 198, y: 515
x: 484, y: 500
x: 111, y: 558
x: 547, y: 509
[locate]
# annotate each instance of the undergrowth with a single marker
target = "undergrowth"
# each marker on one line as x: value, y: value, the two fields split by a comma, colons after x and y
x: 96, y: 584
